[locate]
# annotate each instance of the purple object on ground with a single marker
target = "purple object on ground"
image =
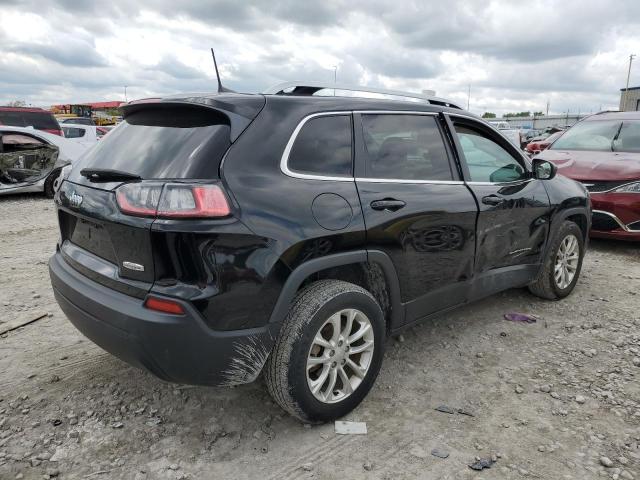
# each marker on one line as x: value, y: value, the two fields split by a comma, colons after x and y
x: 520, y: 317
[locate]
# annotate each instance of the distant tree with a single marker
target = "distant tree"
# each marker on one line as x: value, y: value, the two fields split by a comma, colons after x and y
x: 17, y: 103
x: 518, y: 114
x: 538, y: 114
x: 488, y: 115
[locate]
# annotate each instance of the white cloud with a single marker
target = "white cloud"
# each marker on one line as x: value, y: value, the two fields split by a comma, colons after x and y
x: 515, y: 56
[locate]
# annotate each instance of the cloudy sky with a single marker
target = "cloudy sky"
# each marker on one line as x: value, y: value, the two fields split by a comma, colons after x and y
x: 514, y: 55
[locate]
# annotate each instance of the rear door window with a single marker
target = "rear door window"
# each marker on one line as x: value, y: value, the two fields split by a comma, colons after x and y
x: 323, y: 147
x: 405, y: 147
x: 163, y: 143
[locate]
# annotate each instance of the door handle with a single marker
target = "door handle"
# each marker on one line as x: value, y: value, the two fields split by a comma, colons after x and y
x: 493, y: 200
x: 390, y: 204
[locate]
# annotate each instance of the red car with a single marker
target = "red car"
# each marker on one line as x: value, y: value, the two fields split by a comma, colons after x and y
x: 538, y: 145
x: 30, y: 117
x: 603, y: 153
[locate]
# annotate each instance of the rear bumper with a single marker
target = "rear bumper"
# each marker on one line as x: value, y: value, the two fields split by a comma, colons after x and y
x: 177, y: 348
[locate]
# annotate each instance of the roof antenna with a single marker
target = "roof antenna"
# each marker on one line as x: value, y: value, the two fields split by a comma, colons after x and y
x: 221, y: 89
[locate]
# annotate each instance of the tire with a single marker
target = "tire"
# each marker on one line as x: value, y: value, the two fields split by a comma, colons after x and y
x: 311, y: 314
x: 546, y: 286
x: 49, y: 191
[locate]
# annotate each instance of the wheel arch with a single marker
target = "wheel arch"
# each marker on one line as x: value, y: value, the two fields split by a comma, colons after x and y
x: 578, y: 215
x: 371, y: 269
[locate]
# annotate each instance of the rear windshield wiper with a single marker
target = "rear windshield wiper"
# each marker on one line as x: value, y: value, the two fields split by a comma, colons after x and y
x: 108, y: 175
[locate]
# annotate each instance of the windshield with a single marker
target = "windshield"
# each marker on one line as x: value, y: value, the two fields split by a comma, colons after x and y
x: 602, y: 136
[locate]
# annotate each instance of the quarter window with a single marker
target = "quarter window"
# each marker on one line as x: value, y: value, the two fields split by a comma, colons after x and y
x: 487, y: 161
x: 323, y: 147
x: 404, y: 147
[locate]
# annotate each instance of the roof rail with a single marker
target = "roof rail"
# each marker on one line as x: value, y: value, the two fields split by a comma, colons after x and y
x: 309, y: 88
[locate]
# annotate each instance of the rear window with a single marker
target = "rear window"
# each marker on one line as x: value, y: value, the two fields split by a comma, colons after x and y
x: 37, y: 120
x: 323, y: 147
x: 177, y: 142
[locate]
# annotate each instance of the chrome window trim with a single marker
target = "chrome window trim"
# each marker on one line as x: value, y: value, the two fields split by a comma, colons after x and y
x: 617, y: 220
x: 515, y: 182
x: 401, y: 180
x: 394, y: 112
x: 284, y: 160
x: 526, y: 160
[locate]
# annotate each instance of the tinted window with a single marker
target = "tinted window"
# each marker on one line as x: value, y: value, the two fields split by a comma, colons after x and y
x: 590, y: 135
x: 323, y: 147
x: 37, y: 120
x: 72, y: 132
x: 41, y: 121
x: 487, y: 161
x: 183, y: 142
x: 405, y: 147
x: 79, y: 121
x: 14, y: 119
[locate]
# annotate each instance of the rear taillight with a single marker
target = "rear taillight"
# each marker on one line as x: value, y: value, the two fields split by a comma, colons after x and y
x: 172, y: 200
x: 53, y: 131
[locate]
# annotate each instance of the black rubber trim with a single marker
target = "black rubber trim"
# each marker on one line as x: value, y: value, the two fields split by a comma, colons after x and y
x: 302, y: 272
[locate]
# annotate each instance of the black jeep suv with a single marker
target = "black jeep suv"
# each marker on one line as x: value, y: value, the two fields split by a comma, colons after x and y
x: 209, y: 238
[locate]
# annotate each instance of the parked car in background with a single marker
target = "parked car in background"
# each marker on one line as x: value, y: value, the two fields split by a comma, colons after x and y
x: 176, y: 255
x: 536, y: 146
x: 31, y: 160
x: 512, y: 134
x: 84, y: 134
x: 30, y: 117
x: 603, y: 152
x: 527, y: 136
x: 102, y: 131
x: 78, y: 120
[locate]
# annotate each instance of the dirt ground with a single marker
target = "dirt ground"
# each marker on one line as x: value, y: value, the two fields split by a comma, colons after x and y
x: 556, y: 399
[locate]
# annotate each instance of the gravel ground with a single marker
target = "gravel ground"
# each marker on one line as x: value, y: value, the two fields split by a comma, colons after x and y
x: 556, y: 399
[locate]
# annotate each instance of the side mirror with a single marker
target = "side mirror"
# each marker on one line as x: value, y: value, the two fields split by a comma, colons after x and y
x: 543, y: 170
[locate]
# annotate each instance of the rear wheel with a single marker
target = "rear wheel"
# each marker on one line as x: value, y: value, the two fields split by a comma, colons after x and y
x: 562, y: 266
x: 328, y: 353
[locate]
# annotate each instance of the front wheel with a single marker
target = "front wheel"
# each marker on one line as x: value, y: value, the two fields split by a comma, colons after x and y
x: 49, y: 183
x: 561, y: 269
x: 328, y: 352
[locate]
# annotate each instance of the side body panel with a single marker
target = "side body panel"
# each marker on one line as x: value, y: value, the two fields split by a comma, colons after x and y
x: 430, y: 238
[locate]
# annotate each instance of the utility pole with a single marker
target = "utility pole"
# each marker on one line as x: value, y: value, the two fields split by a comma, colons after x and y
x: 335, y: 78
x: 626, y: 90
x: 547, y: 107
x: 468, y: 96
x: 125, y: 94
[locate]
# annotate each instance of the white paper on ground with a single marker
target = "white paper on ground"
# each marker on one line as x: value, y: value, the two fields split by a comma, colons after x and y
x: 350, y: 428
